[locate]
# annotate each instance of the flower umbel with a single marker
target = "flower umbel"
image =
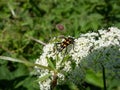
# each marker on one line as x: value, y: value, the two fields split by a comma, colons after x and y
x: 90, y: 50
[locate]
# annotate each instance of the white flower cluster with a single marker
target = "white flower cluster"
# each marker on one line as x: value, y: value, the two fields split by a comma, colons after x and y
x: 90, y: 50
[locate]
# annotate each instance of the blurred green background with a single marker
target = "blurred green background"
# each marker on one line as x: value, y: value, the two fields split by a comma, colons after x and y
x: 22, y: 19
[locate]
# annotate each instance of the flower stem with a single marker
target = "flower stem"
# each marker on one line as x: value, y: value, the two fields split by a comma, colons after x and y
x: 104, y: 79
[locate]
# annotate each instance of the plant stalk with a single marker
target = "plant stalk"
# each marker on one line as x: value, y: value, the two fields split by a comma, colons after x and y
x: 104, y: 79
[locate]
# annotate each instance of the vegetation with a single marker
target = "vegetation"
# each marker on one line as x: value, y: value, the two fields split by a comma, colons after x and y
x: 22, y: 21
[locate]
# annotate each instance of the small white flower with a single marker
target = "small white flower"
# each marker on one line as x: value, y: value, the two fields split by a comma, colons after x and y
x: 89, y: 51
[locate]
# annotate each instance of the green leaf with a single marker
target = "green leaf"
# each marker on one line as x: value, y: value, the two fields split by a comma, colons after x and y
x: 94, y: 78
x: 28, y: 83
x: 50, y: 63
x: 72, y: 86
x: 11, y: 59
x: 43, y: 78
x: 114, y: 84
x: 5, y: 73
x: 66, y: 58
x: 24, y: 62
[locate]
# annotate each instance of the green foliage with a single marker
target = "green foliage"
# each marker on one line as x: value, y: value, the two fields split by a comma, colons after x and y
x: 94, y: 78
x: 43, y: 78
x: 50, y: 63
x: 21, y: 19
